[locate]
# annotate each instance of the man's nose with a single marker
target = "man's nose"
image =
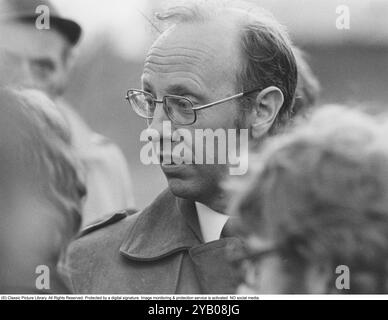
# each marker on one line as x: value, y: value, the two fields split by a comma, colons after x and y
x: 160, y: 122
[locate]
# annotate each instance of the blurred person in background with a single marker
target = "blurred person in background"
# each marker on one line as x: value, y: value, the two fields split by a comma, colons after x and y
x: 209, y: 53
x: 307, y: 91
x: 41, y: 194
x: 316, y: 199
x: 42, y: 59
x: 308, y: 88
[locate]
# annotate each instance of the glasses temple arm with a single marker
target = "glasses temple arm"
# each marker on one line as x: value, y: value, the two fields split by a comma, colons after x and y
x: 239, y: 95
x: 219, y: 101
x: 245, y: 93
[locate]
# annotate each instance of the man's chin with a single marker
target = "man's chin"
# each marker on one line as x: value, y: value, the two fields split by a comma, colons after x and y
x: 181, y: 183
x: 182, y: 188
x: 176, y: 175
x: 190, y: 182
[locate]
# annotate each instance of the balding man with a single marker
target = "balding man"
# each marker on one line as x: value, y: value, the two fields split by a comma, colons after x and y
x: 214, y: 68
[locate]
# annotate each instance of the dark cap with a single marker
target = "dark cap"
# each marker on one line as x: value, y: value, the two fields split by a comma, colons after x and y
x: 24, y: 10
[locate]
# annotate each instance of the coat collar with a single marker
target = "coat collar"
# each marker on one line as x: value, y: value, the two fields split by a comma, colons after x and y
x: 170, y: 224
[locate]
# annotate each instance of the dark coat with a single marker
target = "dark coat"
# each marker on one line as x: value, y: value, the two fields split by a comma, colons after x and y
x: 159, y: 250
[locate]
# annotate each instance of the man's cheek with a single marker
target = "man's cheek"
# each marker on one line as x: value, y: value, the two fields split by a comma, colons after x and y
x: 183, y: 147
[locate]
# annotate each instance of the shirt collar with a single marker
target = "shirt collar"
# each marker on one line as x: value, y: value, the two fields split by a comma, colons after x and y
x: 211, y: 222
x: 170, y: 224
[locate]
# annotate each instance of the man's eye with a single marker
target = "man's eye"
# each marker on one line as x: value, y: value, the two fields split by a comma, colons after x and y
x: 183, y: 104
x: 144, y: 101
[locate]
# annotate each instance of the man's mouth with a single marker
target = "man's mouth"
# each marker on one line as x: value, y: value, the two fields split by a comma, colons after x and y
x: 169, y: 166
x: 171, y: 163
x: 165, y: 159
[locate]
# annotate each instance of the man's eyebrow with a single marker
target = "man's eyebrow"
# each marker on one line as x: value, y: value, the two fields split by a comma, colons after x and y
x: 178, y: 89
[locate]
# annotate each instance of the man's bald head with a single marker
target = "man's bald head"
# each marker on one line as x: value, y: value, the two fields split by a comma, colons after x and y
x: 265, y: 54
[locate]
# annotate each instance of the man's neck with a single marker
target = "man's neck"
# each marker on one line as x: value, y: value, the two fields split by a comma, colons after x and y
x: 217, y: 203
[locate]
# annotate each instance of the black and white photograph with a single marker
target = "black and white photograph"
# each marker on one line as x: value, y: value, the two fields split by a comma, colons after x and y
x: 193, y: 150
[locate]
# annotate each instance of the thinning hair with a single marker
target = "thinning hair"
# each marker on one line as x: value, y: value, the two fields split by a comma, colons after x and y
x: 265, y: 47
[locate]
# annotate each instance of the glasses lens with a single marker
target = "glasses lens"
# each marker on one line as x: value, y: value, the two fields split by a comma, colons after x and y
x: 180, y: 110
x: 142, y: 103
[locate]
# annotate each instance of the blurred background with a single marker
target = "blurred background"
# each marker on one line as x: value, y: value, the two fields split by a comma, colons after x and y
x: 352, y: 65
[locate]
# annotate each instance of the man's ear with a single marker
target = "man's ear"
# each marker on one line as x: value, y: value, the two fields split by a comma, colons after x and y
x: 264, y: 112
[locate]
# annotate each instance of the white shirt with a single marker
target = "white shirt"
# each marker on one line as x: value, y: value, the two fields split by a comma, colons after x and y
x: 211, y: 222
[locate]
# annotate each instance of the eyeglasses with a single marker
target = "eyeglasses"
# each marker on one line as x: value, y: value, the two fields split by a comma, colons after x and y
x: 180, y: 110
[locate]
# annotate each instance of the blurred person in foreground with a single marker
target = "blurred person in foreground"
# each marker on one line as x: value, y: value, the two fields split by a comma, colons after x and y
x: 316, y: 200
x: 43, y: 59
x: 217, y: 66
x: 41, y: 194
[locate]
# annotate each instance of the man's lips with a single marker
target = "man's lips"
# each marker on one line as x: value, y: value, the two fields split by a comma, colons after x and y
x: 172, y: 169
x: 165, y: 159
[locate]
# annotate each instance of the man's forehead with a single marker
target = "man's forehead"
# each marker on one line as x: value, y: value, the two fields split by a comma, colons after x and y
x: 205, y: 39
x: 196, y: 48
